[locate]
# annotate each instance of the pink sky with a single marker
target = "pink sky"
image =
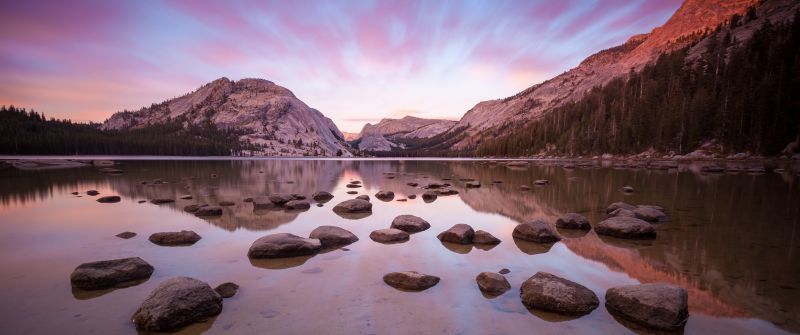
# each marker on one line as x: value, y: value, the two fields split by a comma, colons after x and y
x: 355, y: 61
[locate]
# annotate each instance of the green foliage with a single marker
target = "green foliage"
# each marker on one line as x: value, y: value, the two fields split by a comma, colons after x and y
x: 745, y: 95
x: 29, y: 133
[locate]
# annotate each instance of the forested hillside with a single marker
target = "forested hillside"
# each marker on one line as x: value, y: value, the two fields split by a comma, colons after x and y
x: 29, y: 133
x: 744, y: 94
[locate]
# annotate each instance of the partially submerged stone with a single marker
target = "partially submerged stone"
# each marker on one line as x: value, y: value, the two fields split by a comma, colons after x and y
x: 363, y: 197
x: 126, y: 235
x: 573, y: 221
x: 227, y: 290
x: 459, y: 233
x: 297, y: 205
x: 385, y: 195
x: 208, y: 211
x: 535, y: 231
x: 283, y: 245
x: 175, y: 238
x: 332, y: 236
x: 410, y: 223
x: 110, y: 273
x: 389, y: 235
x: 353, y: 206
x: 109, y: 199
x: 322, y: 196
x: 160, y: 201
x: 484, y: 237
x: 552, y: 293
x: 650, y: 214
x: 429, y: 196
x: 410, y: 280
x: 492, y: 283
x: 625, y: 227
x: 176, y: 303
x: 656, y: 306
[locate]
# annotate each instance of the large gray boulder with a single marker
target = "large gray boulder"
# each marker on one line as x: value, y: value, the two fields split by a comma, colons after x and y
x: 459, y: 233
x: 353, y: 206
x: 410, y: 223
x: 492, y: 283
x: 656, y: 306
x: 389, y: 235
x: 110, y: 273
x: 283, y: 245
x: 410, y: 280
x: 332, y: 236
x: 573, y: 221
x: 535, y: 231
x: 176, y: 303
x: 175, y: 238
x: 552, y: 293
x: 625, y: 227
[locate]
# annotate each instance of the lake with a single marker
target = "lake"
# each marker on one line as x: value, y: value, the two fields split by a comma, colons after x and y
x: 732, y: 241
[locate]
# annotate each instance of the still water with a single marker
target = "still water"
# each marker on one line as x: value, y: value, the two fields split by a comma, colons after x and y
x: 733, y: 241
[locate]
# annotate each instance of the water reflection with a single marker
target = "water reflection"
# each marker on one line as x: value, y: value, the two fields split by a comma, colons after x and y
x: 733, y: 239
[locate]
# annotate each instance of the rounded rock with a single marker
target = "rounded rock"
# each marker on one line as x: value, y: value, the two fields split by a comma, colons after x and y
x: 283, y: 245
x: 332, y: 236
x: 410, y: 223
x: 492, y: 283
x: 176, y: 303
x: 535, y: 231
x: 410, y: 280
x: 110, y: 273
x: 573, y: 221
x: 552, y: 293
x: 656, y: 306
x: 625, y: 227
x: 389, y: 235
x: 459, y: 233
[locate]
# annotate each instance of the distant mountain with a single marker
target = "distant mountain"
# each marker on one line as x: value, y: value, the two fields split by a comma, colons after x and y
x: 271, y: 121
x: 389, y: 134
x: 693, y: 22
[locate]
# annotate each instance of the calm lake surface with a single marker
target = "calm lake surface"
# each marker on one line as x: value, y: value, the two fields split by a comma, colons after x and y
x: 733, y: 241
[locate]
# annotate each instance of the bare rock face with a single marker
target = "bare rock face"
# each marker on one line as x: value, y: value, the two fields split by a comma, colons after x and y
x: 410, y: 280
x: 227, y: 290
x: 460, y: 233
x: 332, y: 236
x: 625, y: 227
x: 111, y: 273
x: 109, y: 199
x: 573, y: 221
x: 176, y: 238
x: 484, y: 237
x: 492, y: 283
x: 552, y: 293
x: 389, y: 235
x: 176, y: 303
x: 353, y: 206
x: 656, y: 306
x: 384, y: 135
x: 410, y: 223
x: 272, y: 118
x: 283, y: 245
x: 535, y: 231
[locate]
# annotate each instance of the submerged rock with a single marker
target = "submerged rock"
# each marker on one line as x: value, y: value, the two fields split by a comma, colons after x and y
x: 473, y: 184
x: 535, y: 231
x: 483, y: 237
x: 109, y: 199
x: 126, y: 235
x: 283, y: 245
x: 177, y: 238
x: 492, y: 283
x: 297, y: 205
x: 389, y: 235
x: 110, y: 273
x: 227, y: 290
x: 192, y: 208
x: 552, y: 293
x: 657, y: 306
x: 208, y: 211
x: 353, y: 206
x: 460, y: 233
x: 625, y: 227
x: 410, y: 223
x: 385, y: 195
x: 227, y: 203
x: 175, y: 303
x: 332, y: 236
x: 504, y: 271
x: 263, y: 202
x: 410, y: 280
x: 280, y: 198
x: 159, y: 201
x: 573, y: 221
x: 429, y: 196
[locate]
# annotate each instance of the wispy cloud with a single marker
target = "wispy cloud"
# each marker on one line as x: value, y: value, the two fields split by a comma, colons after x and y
x: 86, y: 59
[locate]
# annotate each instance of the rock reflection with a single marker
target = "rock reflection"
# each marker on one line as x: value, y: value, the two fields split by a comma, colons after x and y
x: 533, y: 248
x: 279, y: 263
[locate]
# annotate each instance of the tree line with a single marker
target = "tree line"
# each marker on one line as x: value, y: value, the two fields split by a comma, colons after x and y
x: 24, y: 132
x: 745, y: 94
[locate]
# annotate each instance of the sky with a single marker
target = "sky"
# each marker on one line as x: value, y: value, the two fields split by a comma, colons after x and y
x: 355, y: 61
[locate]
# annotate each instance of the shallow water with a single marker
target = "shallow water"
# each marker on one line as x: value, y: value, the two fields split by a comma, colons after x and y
x: 733, y: 241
